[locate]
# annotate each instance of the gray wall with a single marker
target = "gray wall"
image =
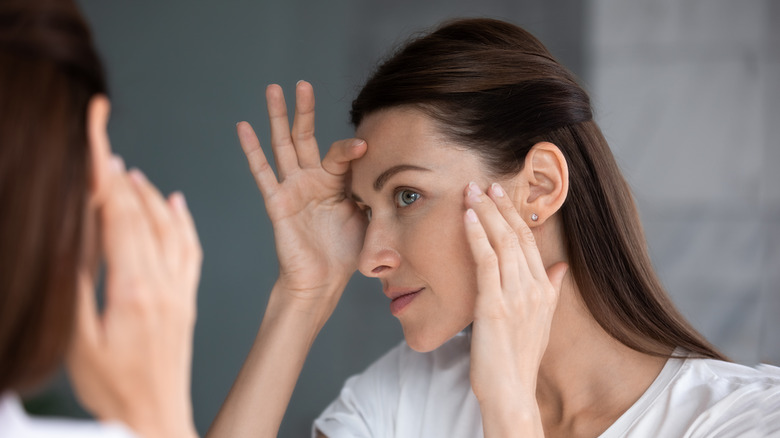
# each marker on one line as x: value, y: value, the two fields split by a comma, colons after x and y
x: 182, y: 73
x: 688, y: 95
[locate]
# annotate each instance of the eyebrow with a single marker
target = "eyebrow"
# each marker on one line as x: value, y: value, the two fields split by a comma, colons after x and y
x: 387, y: 174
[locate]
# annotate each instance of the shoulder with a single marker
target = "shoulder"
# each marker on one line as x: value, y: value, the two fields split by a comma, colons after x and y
x: 705, y: 398
x: 722, y: 378
x: 729, y: 399
x: 15, y: 423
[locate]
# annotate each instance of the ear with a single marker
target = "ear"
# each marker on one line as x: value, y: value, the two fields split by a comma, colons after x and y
x: 98, y: 111
x: 547, y: 175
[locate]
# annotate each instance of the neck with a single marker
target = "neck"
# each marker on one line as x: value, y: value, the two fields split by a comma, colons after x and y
x: 576, y: 387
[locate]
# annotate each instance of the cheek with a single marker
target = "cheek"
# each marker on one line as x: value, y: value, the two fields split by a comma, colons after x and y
x: 443, y: 257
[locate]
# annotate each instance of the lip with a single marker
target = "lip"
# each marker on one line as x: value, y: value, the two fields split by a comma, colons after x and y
x: 401, y: 297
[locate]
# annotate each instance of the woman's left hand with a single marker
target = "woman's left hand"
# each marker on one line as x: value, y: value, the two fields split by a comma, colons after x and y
x: 132, y: 361
x: 516, y: 300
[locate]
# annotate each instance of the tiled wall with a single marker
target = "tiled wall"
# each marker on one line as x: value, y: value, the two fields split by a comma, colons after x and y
x: 688, y: 94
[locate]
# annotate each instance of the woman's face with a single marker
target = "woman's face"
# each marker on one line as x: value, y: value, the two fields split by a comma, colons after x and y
x: 411, y: 184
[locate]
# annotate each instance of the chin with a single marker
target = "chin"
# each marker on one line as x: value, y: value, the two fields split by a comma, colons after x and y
x: 424, y: 340
x: 422, y: 346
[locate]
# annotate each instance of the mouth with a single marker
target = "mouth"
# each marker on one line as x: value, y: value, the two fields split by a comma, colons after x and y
x: 401, y: 299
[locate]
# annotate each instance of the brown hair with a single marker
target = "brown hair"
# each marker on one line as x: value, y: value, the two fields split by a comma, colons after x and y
x: 49, y: 70
x: 494, y: 88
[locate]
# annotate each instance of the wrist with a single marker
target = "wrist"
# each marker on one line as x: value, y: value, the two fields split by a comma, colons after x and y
x: 511, y: 416
x: 315, y: 305
x: 163, y: 426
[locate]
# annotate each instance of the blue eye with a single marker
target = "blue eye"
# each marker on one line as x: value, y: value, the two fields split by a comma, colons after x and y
x: 404, y: 198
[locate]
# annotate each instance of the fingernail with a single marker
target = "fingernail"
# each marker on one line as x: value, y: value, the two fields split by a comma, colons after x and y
x: 298, y: 83
x: 475, y: 191
x: 357, y: 142
x: 117, y: 164
x: 178, y: 201
x: 497, y: 190
x: 137, y: 176
x: 471, y: 216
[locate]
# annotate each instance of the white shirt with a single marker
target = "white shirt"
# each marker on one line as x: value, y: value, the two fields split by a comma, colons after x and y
x: 15, y: 423
x: 406, y: 394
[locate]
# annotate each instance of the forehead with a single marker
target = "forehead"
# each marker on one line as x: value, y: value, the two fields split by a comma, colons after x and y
x: 399, y: 136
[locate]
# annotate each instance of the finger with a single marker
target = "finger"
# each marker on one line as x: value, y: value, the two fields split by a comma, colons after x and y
x: 126, y: 236
x: 511, y: 260
x: 87, y: 319
x: 158, y: 216
x: 258, y: 163
x: 192, y: 253
x: 521, y: 228
x: 303, y: 126
x: 281, y: 141
x: 556, y: 273
x: 336, y: 161
x: 488, y: 276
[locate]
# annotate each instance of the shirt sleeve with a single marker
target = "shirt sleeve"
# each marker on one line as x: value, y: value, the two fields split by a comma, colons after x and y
x: 16, y: 423
x: 367, y: 403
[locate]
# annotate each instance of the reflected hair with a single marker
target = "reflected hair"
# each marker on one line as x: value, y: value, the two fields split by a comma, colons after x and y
x: 49, y: 70
x: 495, y: 89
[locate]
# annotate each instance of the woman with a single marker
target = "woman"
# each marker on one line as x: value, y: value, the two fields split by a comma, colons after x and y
x: 69, y: 207
x: 484, y: 198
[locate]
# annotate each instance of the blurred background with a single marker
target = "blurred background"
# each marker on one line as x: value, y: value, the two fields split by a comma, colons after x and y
x: 686, y: 91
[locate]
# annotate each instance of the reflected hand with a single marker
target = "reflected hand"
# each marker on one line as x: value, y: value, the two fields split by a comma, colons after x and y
x: 514, y: 307
x: 318, y: 230
x: 132, y: 362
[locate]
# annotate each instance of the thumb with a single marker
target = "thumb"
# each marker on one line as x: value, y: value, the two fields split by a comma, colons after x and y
x: 336, y: 161
x: 556, y: 273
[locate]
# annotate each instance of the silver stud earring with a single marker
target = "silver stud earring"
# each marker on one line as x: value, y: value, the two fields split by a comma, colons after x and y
x: 534, y: 217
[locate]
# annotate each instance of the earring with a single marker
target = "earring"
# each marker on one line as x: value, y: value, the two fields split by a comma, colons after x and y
x: 534, y: 217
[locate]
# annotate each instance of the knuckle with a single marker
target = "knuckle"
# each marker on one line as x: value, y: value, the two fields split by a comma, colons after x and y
x: 261, y: 165
x: 488, y: 259
x: 509, y: 241
x: 527, y: 235
x: 138, y: 301
x: 495, y: 311
x: 505, y: 205
x: 304, y: 134
x: 285, y: 143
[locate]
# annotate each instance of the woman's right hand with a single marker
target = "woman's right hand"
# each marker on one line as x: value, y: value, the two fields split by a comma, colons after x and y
x: 319, y: 234
x: 318, y: 229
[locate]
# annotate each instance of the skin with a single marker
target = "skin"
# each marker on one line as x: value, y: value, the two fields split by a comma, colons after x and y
x: 401, y: 240
x: 131, y: 362
x: 540, y: 364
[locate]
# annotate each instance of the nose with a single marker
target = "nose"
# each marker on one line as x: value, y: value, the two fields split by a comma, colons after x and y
x: 378, y: 256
